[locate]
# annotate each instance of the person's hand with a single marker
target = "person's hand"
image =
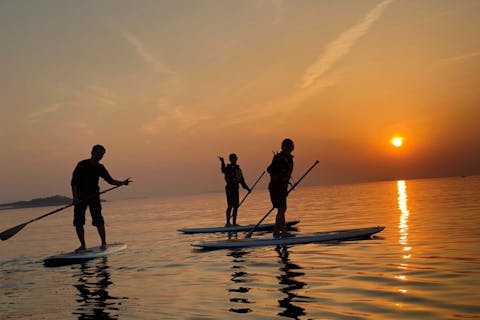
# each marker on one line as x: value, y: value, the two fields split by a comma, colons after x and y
x: 221, y: 159
x: 126, y: 181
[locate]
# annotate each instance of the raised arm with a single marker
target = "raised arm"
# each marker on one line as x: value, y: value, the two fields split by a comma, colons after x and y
x: 223, y: 164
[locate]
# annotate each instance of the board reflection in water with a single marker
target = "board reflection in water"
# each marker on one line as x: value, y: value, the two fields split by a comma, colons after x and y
x: 93, y: 298
x: 289, y: 284
x: 288, y: 281
x: 239, y: 277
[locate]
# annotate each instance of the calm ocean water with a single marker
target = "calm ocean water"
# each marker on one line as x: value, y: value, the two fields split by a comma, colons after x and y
x: 424, y: 265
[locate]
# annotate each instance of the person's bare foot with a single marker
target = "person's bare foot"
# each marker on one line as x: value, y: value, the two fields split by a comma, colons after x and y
x: 103, y: 246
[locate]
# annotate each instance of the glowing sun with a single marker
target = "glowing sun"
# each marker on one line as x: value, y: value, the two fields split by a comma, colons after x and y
x: 397, y: 142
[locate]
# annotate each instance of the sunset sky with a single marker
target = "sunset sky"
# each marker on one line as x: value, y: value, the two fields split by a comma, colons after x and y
x: 167, y: 86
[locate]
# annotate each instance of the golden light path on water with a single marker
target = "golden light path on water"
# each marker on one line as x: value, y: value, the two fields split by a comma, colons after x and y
x: 402, y: 205
x: 403, y: 227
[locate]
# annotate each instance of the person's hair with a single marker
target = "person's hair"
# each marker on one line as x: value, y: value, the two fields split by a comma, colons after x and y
x: 287, y: 142
x: 232, y: 156
x: 98, y: 147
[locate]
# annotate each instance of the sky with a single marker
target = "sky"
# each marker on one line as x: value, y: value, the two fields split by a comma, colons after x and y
x: 168, y: 86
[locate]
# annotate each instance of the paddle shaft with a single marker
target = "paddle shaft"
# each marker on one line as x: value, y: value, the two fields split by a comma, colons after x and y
x: 69, y: 205
x: 249, y: 234
x: 251, y: 189
x: 7, y: 234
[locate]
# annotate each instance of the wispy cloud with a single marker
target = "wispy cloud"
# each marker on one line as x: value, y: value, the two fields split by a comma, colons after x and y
x: 83, y: 127
x: 315, y: 79
x: 173, y: 117
x: 168, y: 113
x: 341, y: 46
x: 462, y: 57
x: 278, y: 110
x: 37, y: 115
x: 278, y: 8
x: 100, y: 96
x: 142, y: 50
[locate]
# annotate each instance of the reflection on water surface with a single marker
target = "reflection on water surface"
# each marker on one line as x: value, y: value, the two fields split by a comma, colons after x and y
x: 424, y: 265
x: 93, y: 298
x: 289, y: 273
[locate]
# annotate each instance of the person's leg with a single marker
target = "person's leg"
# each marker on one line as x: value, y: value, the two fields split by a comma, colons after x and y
x: 274, y: 199
x: 79, y: 221
x: 278, y: 196
x: 101, y: 233
x: 280, y: 221
x: 235, y: 204
x: 97, y: 220
x: 276, y: 229
x: 228, y: 214
x: 229, y: 207
x: 234, y: 215
x: 280, y: 227
x: 282, y: 208
x: 230, y: 202
x: 81, y: 237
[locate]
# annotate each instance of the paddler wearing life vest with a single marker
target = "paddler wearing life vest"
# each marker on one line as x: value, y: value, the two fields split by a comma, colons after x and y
x: 280, y: 171
x: 233, y: 177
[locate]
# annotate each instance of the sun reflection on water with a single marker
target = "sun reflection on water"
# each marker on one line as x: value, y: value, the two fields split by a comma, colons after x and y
x: 403, y: 229
x: 402, y: 205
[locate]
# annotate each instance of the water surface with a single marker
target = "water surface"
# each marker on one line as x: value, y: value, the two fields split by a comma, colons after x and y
x: 424, y: 265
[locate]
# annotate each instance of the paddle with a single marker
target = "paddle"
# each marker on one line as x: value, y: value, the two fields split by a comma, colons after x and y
x: 249, y: 234
x: 7, y: 234
x: 251, y: 189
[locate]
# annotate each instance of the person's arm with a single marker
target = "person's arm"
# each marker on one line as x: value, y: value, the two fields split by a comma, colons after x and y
x: 120, y: 183
x: 223, y: 164
x: 107, y: 177
x: 242, y: 181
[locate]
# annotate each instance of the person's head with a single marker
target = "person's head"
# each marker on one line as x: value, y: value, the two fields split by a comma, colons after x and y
x: 233, y: 158
x: 97, y: 152
x: 287, y: 145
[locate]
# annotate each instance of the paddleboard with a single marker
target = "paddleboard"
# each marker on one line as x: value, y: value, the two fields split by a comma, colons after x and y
x: 337, y: 235
x: 82, y: 256
x: 262, y: 227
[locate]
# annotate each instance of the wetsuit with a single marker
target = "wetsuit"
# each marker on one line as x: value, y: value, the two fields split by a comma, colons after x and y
x: 85, y: 178
x: 280, y: 171
x: 233, y: 177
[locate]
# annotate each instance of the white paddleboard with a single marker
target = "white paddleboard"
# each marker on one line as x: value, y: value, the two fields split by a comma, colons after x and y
x: 84, y: 255
x: 262, y: 227
x: 337, y: 235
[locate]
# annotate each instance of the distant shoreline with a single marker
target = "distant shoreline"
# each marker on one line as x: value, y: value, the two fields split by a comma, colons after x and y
x: 56, y: 200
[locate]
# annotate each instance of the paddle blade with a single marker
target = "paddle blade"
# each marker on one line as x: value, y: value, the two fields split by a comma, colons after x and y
x: 7, y: 234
